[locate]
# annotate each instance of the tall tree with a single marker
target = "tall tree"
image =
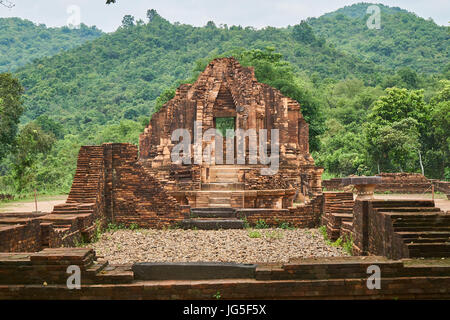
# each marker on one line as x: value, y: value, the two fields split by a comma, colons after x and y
x: 10, y: 111
x: 303, y: 32
x: 128, y: 21
x: 32, y: 141
x: 438, y: 151
x: 151, y: 14
x: 396, y: 128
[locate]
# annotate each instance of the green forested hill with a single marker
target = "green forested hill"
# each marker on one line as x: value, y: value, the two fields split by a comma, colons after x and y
x: 119, y: 75
x: 404, y: 39
x: 22, y: 41
x: 106, y: 89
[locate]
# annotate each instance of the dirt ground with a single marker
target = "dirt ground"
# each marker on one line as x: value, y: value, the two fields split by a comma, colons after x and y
x: 232, y: 245
x: 45, y: 204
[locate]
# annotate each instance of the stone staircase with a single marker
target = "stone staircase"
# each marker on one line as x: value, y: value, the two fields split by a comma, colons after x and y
x: 223, y: 181
x: 224, y: 174
x: 338, y: 214
x: 424, y: 229
x: 76, y: 217
x: 213, y: 219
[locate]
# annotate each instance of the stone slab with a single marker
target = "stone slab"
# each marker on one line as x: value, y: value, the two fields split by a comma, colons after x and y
x: 361, y: 180
x: 192, y: 271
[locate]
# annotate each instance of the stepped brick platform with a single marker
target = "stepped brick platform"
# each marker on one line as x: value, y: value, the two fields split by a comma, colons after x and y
x: 396, y: 183
x: 44, y: 276
x: 213, y: 219
x: 337, y: 209
x: 401, y: 229
x: 110, y: 185
x: 303, y: 216
x: 20, y: 232
x: 442, y: 186
x: 49, y: 267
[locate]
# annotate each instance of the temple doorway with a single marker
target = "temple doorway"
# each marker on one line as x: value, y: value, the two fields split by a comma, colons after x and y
x: 222, y: 125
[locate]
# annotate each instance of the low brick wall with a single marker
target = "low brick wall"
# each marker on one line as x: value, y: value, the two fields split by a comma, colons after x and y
x: 442, y: 186
x: 302, y: 216
x: 43, y: 276
x: 25, y: 237
x: 337, y: 208
x: 391, y: 182
x: 400, y: 229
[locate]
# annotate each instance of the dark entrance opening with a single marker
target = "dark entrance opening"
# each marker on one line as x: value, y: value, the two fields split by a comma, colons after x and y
x: 222, y: 124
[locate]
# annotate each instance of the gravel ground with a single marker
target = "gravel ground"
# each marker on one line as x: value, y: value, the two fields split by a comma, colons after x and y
x: 273, y: 245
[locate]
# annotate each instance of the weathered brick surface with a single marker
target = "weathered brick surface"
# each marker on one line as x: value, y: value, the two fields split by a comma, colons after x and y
x: 134, y: 194
x: 226, y: 89
x: 24, y: 237
x: 301, y: 216
x: 391, y: 182
x: 400, y: 229
x: 337, y: 208
x: 318, y: 278
x: 442, y: 186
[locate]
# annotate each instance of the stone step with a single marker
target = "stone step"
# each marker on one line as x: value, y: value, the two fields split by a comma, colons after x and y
x: 429, y: 249
x: 192, y: 271
x: 422, y: 228
x: 219, y: 200
x: 221, y: 205
x: 225, y: 171
x: 210, y: 208
x: 427, y: 240
x: 216, y: 193
x: 214, y: 213
x: 411, y: 209
x: 424, y: 234
x: 379, y: 204
x: 418, y: 215
x: 343, y: 216
x: 212, y: 224
x: 115, y: 275
x: 222, y: 186
x: 399, y: 224
x: 227, y: 180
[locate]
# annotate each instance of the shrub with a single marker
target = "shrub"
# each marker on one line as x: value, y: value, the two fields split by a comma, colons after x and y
x: 261, y: 224
x: 286, y: 226
x: 254, y: 234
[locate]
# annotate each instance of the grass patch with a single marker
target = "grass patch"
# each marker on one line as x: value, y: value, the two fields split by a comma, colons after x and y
x: 286, y: 226
x: 261, y: 224
x: 113, y: 227
x: 274, y: 235
x: 345, y: 242
x: 254, y: 234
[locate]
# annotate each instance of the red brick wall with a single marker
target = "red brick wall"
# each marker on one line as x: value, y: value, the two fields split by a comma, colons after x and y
x: 133, y: 194
x: 21, y: 238
x: 391, y: 182
x: 303, y: 216
x: 318, y: 278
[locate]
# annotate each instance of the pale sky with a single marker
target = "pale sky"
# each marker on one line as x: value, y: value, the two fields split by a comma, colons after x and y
x: 256, y: 13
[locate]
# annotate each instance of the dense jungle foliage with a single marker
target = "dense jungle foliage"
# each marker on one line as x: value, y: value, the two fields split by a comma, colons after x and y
x: 376, y: 100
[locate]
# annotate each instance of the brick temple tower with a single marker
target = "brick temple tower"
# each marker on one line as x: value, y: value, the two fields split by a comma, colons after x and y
x: 227, y: 95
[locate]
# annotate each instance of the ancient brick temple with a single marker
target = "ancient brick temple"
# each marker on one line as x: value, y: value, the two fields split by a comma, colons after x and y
x: 228, y: 92
x: 119, y: 183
